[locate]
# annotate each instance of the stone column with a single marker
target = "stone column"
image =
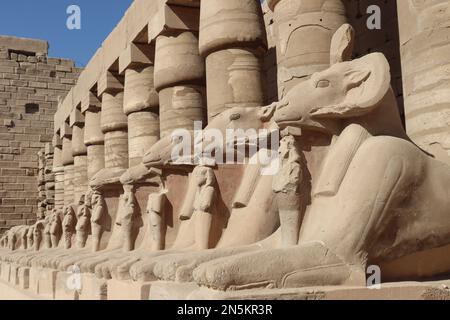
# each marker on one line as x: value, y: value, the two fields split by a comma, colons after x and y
x: 114, y: 122
x: 58, y: 170
x: 305, y: 29
x: 79, y: 152
x: 179, y: 79
x: 94, y: 139
x: 141, y: 101
x: 41, y: 177
x: 425, y: 51
x: 49, y: 177
x: 68, y: 163
x: 233, y: 41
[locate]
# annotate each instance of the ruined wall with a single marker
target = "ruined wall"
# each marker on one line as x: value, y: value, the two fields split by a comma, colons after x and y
x: 30, y: 83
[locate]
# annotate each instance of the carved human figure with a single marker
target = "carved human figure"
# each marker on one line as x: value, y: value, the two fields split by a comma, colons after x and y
x: 41, y: 211
x: 98, y: 212
x: 2, y: 241
x: 127, y: 218
x: 30, y: 235
x: 156, y: 215
x: 55, y: 228
x: 38, y: 235
x: 68, y: 226
x: 203, y: 205
x: 24, y: 238
x: 83, y: 226
x: 12, y: 239
x: 286, y: 185
x: 47, y: 238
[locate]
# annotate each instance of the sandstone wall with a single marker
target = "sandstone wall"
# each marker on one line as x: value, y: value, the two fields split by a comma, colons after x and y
x: 30, y: 84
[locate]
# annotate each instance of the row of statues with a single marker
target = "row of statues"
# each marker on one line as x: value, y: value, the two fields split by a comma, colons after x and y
x: 351, y: 189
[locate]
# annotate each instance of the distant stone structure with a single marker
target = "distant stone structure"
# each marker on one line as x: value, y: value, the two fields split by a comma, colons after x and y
x: 30, y: 84
x: 353, y: 198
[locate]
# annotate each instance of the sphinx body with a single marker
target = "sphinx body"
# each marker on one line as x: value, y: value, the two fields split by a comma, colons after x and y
x: 370, y: 197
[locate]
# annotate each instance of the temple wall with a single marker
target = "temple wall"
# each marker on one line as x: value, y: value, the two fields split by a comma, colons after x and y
x: 30, y: 84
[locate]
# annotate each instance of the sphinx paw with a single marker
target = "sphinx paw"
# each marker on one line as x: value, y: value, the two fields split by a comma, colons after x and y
x: 122, y: 271
x: 143, y: 271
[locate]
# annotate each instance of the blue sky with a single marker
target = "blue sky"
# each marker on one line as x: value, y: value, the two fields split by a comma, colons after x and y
x: 46, y: 20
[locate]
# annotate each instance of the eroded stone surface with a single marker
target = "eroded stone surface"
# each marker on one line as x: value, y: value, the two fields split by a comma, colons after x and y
x: 351, y: 190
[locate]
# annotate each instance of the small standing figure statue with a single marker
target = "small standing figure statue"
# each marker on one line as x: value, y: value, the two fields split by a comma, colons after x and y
x: 24, y: 238
x: 98, y: 213
x: 2, y: 241
x: 41, y: 211
x: 68, y: 226
x: 286, y: 185
x: 127, y: 220
x: 30, y: 236
x: 47, y: 235
x: 156, y: 211
x: 37, y: 235
x: 55, y: 228
x: 203, y: 205
x: 12, y: 239
x: 83, y: 227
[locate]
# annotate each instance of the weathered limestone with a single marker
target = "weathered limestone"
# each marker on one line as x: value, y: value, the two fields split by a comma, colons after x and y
x: 232, y: 40
x: 304, y: 32
x: 179, y: 80
x: 425, y: 59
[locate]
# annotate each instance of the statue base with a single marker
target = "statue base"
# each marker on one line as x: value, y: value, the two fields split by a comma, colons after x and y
x: 47, y: 284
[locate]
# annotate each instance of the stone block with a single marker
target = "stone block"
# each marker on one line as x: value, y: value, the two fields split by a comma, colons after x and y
x: 128, y: 290
x: 93, y: 288
x: 24, y: 44
x: 24, y: 278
